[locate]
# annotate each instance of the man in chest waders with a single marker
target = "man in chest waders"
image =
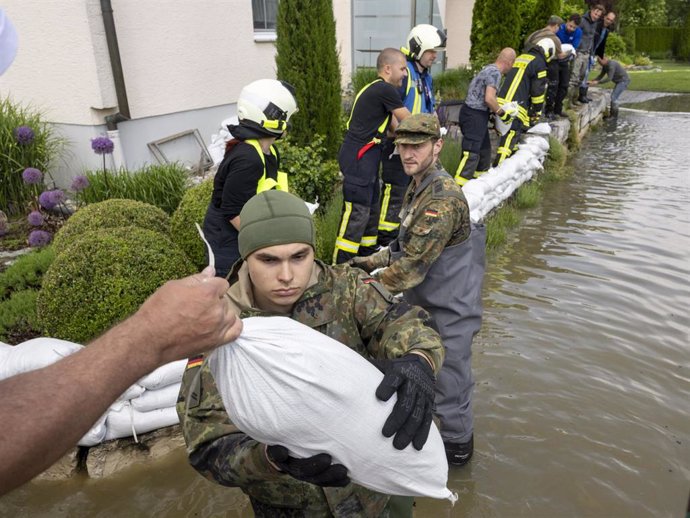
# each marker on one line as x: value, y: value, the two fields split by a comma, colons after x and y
x: 437, y: 262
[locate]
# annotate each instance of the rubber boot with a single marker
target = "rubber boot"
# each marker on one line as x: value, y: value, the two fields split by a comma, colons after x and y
x: 583, y: 95
x: 573, y: 95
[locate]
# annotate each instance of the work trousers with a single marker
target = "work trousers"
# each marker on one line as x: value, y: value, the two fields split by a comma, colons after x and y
x: 476, y: 144
x: 562, y: 88
x: 579, y: 72
x: 357, y: 234
x: 552, y: 88
x: 395, y: 183
x: 509, y: 142
x: 617, y: 91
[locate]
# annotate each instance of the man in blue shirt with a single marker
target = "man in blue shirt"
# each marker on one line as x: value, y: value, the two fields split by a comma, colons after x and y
x: 417, y: 94
x: 569, y: 33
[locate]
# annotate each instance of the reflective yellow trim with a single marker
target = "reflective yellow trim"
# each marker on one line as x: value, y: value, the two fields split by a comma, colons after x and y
x: 538, y: 99
x: 505, y: 150
x: 384, y: 225
x: 417, y: 103
x: 382, y: 128
x: 276, y: 125
x: 346, y: 245
x: 521, y: 64
x: 340, y: 242
x: 541, y: 74
x: 368, y: 241
x: 266, y: 184
x: 461, y: 166
x: 477, y: 174
x: 461, y: 180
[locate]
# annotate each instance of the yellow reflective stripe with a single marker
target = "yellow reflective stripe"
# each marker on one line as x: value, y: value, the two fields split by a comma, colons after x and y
x: 387, y: 226
x: 514, y: 85
x: 340, y: 242
x: 266, y: 184
x: 461, y: 180
x: 477, y: 174
x: 382, y: 128
x: 347, y: 126
x: 505, y: 151
x: 384, y: 205
x: 538, y: 99
x: 346, y: 245
x: 461, y: 166
x: 283, y: 183
x: 541, y: 74
x: 368, y: 241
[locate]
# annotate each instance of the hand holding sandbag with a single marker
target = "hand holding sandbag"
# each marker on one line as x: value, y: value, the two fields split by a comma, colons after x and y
x: 318, y: 470
x: 413, y: 379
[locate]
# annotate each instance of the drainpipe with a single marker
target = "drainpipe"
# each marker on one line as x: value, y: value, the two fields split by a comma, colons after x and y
x: 116, y: 64
x: 119, y: 80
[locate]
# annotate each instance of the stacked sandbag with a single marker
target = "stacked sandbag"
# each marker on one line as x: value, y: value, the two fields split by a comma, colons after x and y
x: 285, y: 383
x: 487, y: 192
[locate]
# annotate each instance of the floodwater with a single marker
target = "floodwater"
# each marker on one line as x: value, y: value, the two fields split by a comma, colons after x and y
x: 582, y: 365
x: 668, y: 103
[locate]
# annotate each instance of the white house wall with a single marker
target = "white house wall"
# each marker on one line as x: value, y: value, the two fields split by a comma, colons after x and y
x: 458, y: 21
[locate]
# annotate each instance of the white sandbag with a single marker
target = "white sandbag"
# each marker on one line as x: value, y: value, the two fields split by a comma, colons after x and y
x: 133, y: 391
x: 284, y: 383
x: 155, y: 399
x: 164, y: 375
x: 125, y: 421
x: 96, y: 435
x: 34, y: 354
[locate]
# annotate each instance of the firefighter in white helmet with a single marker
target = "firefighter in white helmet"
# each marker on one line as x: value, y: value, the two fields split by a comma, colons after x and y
x: 250, y: 165
x: 417, y: 93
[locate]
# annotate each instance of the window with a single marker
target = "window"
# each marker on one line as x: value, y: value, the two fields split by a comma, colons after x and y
x: 265, y: 12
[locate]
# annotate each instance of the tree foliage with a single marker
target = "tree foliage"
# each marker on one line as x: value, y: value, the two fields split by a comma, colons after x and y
x: 306, y: 57
x: 495, y: 24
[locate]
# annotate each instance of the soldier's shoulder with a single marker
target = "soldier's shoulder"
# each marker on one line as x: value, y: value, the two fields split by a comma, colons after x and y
x: 445, y: 187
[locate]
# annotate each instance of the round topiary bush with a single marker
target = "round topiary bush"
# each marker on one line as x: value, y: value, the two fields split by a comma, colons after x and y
x: 192, y: 209
x: 111, y: 214
x: 103, y: 277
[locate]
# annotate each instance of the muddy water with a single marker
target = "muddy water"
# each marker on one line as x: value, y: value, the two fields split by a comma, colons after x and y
x: 582, y: 366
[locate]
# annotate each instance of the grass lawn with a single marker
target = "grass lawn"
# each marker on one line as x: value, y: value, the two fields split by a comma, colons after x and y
x: 673, y: 77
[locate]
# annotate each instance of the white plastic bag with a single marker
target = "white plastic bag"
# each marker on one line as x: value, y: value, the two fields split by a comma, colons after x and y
x: 284, y: 383
x: 34, y: 354
x: 165, y: 375
x: 156, y: 399
x: 125, y: 421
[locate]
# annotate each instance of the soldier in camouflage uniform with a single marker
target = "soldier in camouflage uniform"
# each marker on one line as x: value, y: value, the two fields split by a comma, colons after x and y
x: 343, y: 303
x: 437, y: 262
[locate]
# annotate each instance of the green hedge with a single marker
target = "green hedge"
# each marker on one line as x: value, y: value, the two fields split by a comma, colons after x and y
x: 26, y: 272
x: 111, y: 214
x: 657, y: 40
x: 103, y: 277
x: 18, y: 316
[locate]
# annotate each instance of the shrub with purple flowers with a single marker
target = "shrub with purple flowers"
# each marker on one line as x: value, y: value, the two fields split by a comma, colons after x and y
x: 79, y: 183
x: 32, y: 176
x: 102, y: 145
x: 51, y: 199
x: 24, y: 135
x: 35, y: 218
x: 39, y: 238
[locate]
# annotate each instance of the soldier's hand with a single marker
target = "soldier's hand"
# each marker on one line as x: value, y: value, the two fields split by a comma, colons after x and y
x: 360, y: 262
x: 318, y: 470
x: 413, y: 379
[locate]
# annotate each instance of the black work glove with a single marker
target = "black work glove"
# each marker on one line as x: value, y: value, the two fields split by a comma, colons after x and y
x: 318, y: 469
x: 413, y: 379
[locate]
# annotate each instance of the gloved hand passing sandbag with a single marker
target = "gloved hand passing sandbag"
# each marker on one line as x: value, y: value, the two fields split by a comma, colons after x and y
x: 285, y: 384
x: 318, y: 469
x: 413, y: 380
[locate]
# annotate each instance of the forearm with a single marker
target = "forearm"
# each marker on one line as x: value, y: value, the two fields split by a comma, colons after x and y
x: 47, y: 411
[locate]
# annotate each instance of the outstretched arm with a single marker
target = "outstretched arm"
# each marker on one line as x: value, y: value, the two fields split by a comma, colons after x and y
x: 47, y: 411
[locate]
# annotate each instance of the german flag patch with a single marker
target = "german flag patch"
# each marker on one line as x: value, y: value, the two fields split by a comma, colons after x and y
x: 431, y: 213
x: 196, y: 361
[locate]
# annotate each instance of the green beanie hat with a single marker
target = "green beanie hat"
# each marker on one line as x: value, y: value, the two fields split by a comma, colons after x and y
x: 274, y: 218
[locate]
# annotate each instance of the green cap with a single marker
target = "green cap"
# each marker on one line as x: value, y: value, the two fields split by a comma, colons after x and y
x: 274, y: 218
x: 418, y: 128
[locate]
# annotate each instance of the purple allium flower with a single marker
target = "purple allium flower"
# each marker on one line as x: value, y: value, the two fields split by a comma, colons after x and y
x: 32, y: 175
x: 38, y: 238
x: 24, y: 135
x: 102, y: 145
x: 35, y: 218
x: 49, y: 199
x: 79, y: 183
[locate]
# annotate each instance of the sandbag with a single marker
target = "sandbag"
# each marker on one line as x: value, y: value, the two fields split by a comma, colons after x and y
x: 165, y: 375
x: 155, y: 399
x: 34, y: 354
x: 284, y: 383
x: 125, y: 421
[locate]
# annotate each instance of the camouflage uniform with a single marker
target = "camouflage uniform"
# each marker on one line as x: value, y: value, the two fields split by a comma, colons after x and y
x: 437, y: 262
x: 344, y: 304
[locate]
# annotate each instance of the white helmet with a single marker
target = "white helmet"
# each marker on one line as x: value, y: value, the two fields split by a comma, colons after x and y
x: 548, y: 47
x: 422, y: 38
x: 268, y: 104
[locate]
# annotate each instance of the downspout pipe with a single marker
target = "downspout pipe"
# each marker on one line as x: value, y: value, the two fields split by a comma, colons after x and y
x: 116, y: 65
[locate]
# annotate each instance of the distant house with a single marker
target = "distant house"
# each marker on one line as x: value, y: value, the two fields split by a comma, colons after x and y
x: 144, y: 70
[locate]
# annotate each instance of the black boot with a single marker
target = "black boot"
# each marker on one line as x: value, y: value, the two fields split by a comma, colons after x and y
x: 583, y: 95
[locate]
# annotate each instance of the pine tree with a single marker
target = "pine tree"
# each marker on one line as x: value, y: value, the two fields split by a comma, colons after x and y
x: 307, y: 58
x: 477, y: 32
x: 498, y: 26
x: 543, y: 9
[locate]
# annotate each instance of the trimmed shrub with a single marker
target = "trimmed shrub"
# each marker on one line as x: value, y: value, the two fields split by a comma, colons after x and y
x: 26, y: 272
x: 159, y: 185
x: 192, y: 209
x: 362, y: 77
x: 111, y: 214
x: 307, y: 58
x: 491, y: 30
x: 684, y: 39
x: 18, y: 316
x: 326, y: 222
x: 655, y: 39
x: 103, y: 277
x: 453, y: 83
x: 615, y: 45
x: 311, y: 175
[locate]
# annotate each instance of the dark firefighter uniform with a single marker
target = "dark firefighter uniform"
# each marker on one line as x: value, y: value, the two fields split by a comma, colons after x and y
x: 417, y: 93
x: 526, y: 84
x: 244, y: 172
x: 359, y: 158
